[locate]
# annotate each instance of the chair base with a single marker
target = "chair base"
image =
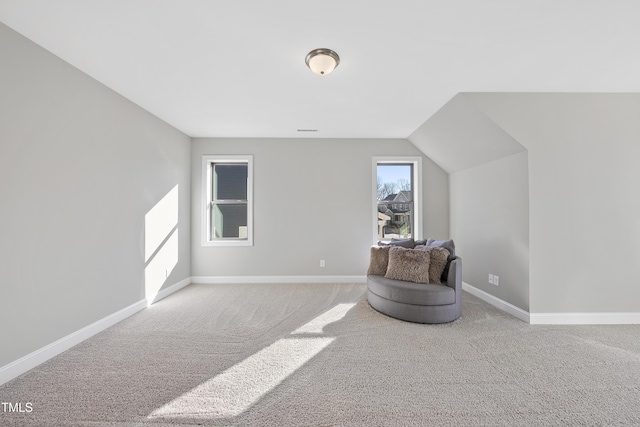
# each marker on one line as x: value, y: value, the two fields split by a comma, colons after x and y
x: 413, y: 313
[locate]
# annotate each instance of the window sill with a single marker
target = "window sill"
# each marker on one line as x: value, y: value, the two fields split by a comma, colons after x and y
x: 216, y: 243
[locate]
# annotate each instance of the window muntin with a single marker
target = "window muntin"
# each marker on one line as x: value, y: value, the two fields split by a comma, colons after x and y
x: 227, y: 181
x: 229, y: 201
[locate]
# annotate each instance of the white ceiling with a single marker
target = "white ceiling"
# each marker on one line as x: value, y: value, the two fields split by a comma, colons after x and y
x: 236, y: 68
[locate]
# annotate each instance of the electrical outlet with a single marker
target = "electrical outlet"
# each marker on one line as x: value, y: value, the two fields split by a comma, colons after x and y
x: 491, y: 279
x: 496, y: 280
x: 322, y: 264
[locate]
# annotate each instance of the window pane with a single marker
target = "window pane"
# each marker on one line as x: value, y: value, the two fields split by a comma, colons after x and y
x: 395, y: 200
x: 230, y: 182
x: 229, y: 221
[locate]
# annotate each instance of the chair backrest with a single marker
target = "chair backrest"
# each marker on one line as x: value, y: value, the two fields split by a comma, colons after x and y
x: 454, y: 274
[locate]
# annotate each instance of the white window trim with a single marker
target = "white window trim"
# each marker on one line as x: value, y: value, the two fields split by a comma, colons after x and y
x: 417, y: 195
x: 207, y: 183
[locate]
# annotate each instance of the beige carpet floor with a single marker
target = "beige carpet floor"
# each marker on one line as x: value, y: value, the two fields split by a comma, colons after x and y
x: 319, y: 355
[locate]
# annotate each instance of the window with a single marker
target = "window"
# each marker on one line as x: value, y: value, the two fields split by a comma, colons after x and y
x: 397, y: 197
x: 228, y: 208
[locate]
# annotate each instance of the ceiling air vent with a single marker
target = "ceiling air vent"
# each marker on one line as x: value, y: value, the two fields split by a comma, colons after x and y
x: 307, y: 130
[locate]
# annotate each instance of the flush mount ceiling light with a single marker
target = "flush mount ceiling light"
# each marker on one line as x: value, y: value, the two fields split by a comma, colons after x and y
x: 322, y: 61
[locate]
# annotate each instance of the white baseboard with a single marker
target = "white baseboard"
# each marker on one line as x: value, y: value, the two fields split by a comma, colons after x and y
x: 168, y: 291
x: 278, y: 279
x: 555, y: 318
x: 585, y: 318
x: 497, y: 302
x: 31, y: 360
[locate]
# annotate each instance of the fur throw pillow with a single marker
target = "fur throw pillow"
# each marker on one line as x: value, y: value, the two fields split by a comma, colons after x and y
x: 447, y: 244
x: 408, y: 265
x: 438, y: 258
x: 378, y: 260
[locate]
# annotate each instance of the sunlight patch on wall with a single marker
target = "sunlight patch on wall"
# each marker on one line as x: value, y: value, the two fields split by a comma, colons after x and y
x: 160, y: 243
x: 159, y: 222
x: 160, y: 266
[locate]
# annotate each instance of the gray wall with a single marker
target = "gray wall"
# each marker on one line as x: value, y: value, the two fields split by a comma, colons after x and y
x: 80, y: 168
x: 489, y: 206
x: 490, y: 225
x: 583, y: 188
x: 312, y: 201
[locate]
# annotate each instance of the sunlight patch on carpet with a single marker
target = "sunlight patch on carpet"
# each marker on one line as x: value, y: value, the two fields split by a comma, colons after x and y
x: 316, y: 326
x: 234, y: 391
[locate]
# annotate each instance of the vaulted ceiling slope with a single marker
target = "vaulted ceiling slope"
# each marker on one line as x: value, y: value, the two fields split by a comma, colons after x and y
x: 236, y: 69
x: 459, y: 136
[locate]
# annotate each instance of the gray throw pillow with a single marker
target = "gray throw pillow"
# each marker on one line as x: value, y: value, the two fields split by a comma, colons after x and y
x: 447, y: 244
x: 405, y: 243
x: 378, y: 260
x: 408, y: 265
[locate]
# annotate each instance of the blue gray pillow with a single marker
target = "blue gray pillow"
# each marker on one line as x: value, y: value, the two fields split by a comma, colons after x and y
x: 447, y: 244
x: 405, y: 243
